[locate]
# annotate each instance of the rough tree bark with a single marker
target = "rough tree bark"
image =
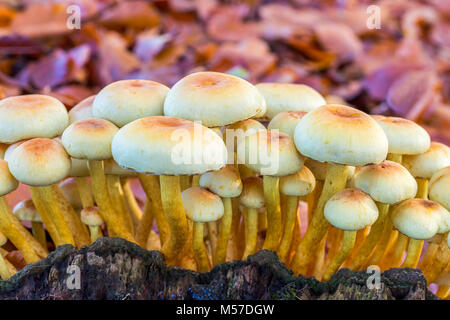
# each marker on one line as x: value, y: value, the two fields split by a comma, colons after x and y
x: 113, y: 268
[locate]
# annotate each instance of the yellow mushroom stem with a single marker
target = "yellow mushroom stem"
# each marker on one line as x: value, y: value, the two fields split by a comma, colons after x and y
x: 283, y: 205
x: 96, y: 232
x: 413, y: 254
x: 38, y: 232
x: 145, y: 225
x: 313, y: 198
x: 317, y: 265
x: 200, y: 255
x: 272, y: 200
x: 100, y: 190
x: 57, y: 215
x: 14, y: 235
x: 395, y: 157
x: 296, y: 238
x: 224, y: 235
x: 395, y: 257
x: 185, y: 182
x: 289, y: 224
x: 196, y: 180
x: 422, y: 188
x: 335, y: 241
x: 77, y: 228
x: 45, y: 215
x: 251, y: 232
x: 152, y: 189
x: 442, y: 291
x: 4, y: 270
x: 348, y: 242
x: 84, y: 190
x: 439, y: 263
x: 132, y: 204
x: 118, y: 201
x: 176, y: 217
x: 335, y: 181
x: 211, y: 230
x: 381, y: 246
x: 376, y: 231
x: 235, y: 244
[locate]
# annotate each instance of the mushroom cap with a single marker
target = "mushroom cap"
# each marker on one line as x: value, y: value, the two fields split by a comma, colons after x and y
x: 31, y: 116
x: 386, y: 182
x: 425, y: 164
x: 26, y: 211
x: 225, y: 182
x: 215, y: 99
x: 3, y: 148
x: 404, y: 136
x: 112, y: 168
x: 286, y: 121
x: 341, y: 134
x: 7, y: 181
x: 11, y: 148
x: 417, y: 218
x: 289, y: 96
x: 236, y: 132
x: 69, y: 189
x: 319, y: 169
x: 3, y: 239
x: 127, y: 100
x: 270, y: 153
x: 252, y: 195
x: 201, y: 205
x: 90, y: 216
x: 89, y: 139
x: 351, y: 210
x: 298, y: 184
x: 83, y: 110
x: 168, y: 146
x: 439, y: 187
x: 39, y: 162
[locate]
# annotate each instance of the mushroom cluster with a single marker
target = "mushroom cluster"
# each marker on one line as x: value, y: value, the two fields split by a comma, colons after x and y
x: 228, y: 168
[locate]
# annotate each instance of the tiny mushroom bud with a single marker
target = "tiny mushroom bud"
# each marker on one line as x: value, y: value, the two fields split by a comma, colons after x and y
x: 91, y: 217
x: 286, y: 121
x: 25, y: 210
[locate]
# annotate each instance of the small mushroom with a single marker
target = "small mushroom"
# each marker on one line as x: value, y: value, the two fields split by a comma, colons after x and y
x: 349, y: 210
x: 201, y: 206
x: 91, y: 217
x: 25, y: 210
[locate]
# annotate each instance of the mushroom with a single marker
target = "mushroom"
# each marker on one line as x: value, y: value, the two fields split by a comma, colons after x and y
x: 289, y: 96
x: 388, y: 183
x: 91, y: 217
x: 25, y: 210
x: 294, y: 186
x: 227, y: 184
x: 417, y: 219
x: 69, y: 189
x: 12, y: 231
x: 349, y: 210
x: 252, y: 198
x: 91, y: 139
x: 273, y: 155
x: 286, y: 121
x: 331, y: 133
x: 40, y: 163
x: 201, y: 206
x: 4, y: 269
x: 82, y: 110
x: 169, y: 147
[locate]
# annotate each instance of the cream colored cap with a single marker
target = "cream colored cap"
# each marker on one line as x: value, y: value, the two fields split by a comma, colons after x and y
x: 386, y: 182
x: 7, y: 182
x: 127, y: 100
x: 168, y: 146
x: 201, y: 205
x: 89, y: 139
x: 289, y: 96
x: 31, y: 116
x: 39, y: 162
x: 90, y: 216
x: 404, y: 136
x: 425, y: 164
x: 417, y: 218
x: 225, y: 183
x: 83, y: 110
x: 298, y: 184
x: 439, y: 187
x: 26, y: 211
x: 3, y: 148
x: 351, y: 210
x: 252, y: 195
x: 112, y: 168
x: 341, y: 134
x: 11, y: 148
x: 286, y: 121
x: 234, y: 134
x: 270, y: 153
x: 69, y: 189
x: 215, y: 99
